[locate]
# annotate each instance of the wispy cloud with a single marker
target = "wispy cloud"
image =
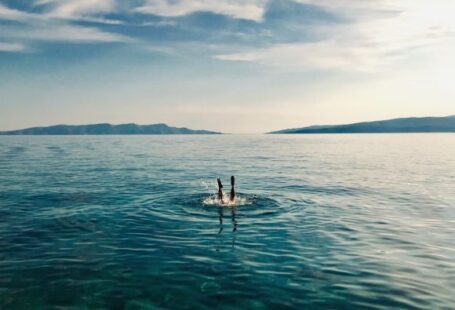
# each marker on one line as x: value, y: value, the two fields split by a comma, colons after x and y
x: 80, y: 10
x: 11, y: 14
x: 77, y: 8
x: 34, y: 27
x: 365, y: 43
x: 327, y: 55
x: 59, y: 32
x: 252, y: 9
x: 300, y: 34
x: 11, y: 47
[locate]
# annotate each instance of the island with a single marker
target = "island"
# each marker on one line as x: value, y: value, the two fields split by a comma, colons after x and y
x: 398, y: 125
x: 108, y: 129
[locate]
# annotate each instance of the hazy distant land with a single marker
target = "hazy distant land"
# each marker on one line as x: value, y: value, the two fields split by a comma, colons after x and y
x: 399, y: 125
x: 108, y: 129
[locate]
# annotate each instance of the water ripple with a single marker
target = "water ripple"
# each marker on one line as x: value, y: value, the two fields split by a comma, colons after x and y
x: 322, y: 222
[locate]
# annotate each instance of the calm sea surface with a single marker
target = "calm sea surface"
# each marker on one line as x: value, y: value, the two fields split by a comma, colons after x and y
x: 324, y: 222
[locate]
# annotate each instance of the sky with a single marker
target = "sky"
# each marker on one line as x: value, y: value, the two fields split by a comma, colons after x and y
x: 228, y: 65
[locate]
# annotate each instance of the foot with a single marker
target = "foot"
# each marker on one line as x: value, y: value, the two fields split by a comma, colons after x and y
x: 220, y: 191
x: 232, y: 196
x: 220, y: 186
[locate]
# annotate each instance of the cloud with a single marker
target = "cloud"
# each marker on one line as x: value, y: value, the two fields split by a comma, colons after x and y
x: 327, y: 55
x: 11, y: 14
x: 250, y: 9
x: 58, y: 32
x: 323, y: 55
x: 349, y: 4
x: 33, y: 27
x: 80, y: 10
x: 355, y: 35
x: 12, y: 47
x: 366, y: 43
x: 77, y: 8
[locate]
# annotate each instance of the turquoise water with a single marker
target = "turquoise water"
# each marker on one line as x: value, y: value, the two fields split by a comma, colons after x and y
x: 325, y: 222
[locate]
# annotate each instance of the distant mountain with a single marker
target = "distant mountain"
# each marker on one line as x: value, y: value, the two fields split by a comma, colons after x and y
x: 107, y: 129
x: 412, y: 124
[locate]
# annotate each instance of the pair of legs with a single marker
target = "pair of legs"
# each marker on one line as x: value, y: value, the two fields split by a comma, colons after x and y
x: 220, y: 190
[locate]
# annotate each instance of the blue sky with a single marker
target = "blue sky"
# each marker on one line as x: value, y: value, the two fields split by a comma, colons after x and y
x: 229, y: 65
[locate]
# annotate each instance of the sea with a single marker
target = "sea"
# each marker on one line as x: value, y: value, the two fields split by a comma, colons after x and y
x: 343, y: 221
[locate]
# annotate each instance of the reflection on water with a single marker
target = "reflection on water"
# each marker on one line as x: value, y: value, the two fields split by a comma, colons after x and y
x: 233, y: 220
x: 320, y: 222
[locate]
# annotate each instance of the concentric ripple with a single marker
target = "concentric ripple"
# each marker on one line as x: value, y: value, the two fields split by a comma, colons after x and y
x: 319, y: 222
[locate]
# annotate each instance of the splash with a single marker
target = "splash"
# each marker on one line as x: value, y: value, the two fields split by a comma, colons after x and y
x: 213, y: 200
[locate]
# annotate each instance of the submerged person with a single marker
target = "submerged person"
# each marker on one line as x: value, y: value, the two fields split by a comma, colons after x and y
x: 220, y: 190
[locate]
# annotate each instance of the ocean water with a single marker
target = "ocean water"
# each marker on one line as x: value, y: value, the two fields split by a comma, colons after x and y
x: 322, y: 222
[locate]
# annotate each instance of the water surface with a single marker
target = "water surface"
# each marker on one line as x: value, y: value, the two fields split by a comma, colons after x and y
x: 328, y: 222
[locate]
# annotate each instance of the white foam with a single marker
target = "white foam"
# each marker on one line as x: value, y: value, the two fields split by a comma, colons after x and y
x: 238, y: 201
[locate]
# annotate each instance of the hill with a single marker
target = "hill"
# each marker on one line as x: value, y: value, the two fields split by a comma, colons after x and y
x: 107, y: 129
x: 399, y: 125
